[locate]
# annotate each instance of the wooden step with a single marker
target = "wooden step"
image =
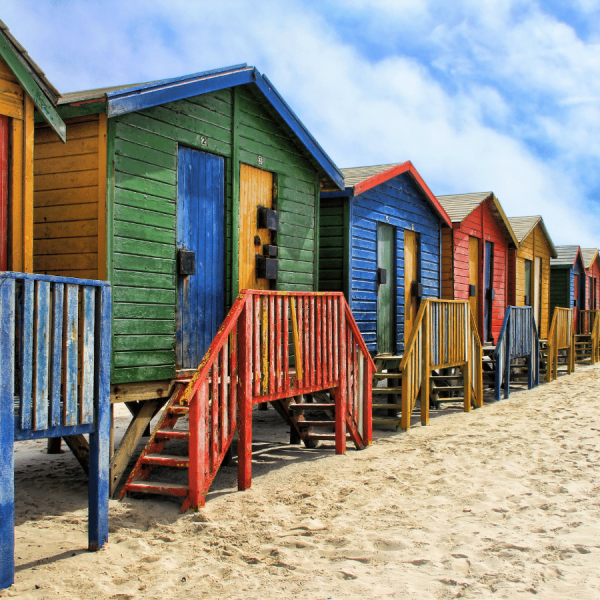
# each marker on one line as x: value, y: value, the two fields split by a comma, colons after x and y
x: 178, y: 410
x: 387, y: 390
x: 166, y: 460
x: 157, y: 487
x: 387, y: 357
x: 387, y: 375
x: 316, y: 423
x: 310, y: 406
x: 446, y: 388
x: 387, y: 406
x: 172, y: 434
x: 393, y: 422
x: 324, y: 436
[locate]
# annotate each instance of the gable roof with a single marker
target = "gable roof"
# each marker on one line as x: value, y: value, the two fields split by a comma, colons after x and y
x: 121, y: 100
x: 566, y: 256
x: 589, y: 255
x: 523, y: 226
x: 460, y: 206
x: 33, y: 80
x: 361, y: 179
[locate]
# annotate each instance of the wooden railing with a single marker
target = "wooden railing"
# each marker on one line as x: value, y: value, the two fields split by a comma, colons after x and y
x: 588, y: 323
x: 560, y: 337
x: 54, y: 382
x: 518, y: 339
x: 275, y: 346
x: 444, y: 335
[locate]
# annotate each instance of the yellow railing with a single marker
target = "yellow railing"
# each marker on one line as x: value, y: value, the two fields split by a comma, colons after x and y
x: 444, y: 336
x: 589, y: 324
x: 560, y: 337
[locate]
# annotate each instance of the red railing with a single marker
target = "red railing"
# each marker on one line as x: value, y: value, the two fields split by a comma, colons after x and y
x: 275, y: 346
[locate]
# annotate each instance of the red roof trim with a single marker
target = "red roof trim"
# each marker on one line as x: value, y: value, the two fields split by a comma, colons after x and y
x: 405, y: 167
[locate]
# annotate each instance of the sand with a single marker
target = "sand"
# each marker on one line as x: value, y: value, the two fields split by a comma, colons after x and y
x: 501, y: 502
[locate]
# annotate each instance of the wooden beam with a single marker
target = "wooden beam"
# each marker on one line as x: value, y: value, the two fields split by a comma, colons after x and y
x: 80, y: 448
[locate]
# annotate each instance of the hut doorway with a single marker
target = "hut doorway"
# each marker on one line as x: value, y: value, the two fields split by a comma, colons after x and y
x: 488, y: 290
x: 536, y: 292
x: 386, y: 289
x: 256, y: 189
x: 411, y: 280
x: 4, y: 167
x: 575, y: 297
x: 200, y: 240
x: 474, y: 278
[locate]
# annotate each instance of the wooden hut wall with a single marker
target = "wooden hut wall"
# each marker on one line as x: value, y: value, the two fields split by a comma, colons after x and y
x: 534, y: 245
x: 70, y: 199
x: 593, y: 278
x: 482, y: 224
x: 232, y: 123
x: 333, y: 244
x: 17, y: 227
x: 562, y: 284
x: 400, y: 203
x: 447, y: 264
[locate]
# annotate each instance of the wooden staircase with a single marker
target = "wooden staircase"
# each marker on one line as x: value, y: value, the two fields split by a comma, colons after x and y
x: 387, y: 400
x: 249, y: 363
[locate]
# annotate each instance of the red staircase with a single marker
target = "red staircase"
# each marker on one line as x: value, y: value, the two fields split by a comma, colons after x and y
x: 272, y: 347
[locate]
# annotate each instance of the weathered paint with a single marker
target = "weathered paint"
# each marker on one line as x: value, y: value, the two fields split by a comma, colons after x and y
x: 228, y: 377
x: 564, y: 292
x: 487, y: 291
x: 484, y: 224
x: 474, y: 262
x: 200, y: 229
x: 402, y: 203
x: 534, y: 246
x: 411, y: 276
x: 4, y: 172
x: 70, y: 200
x: 256, y: 189
x: 27, y: 316
x: 386, y: 292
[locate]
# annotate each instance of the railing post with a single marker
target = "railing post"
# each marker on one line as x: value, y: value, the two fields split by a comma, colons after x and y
x: 341, y: 392
x: 99, y: 443
x: 7, y: 434
x: 367, y: 404
x: 466, y: 369
x: 198, y: 448
x: 425, y: 368
x: 245, y: 397
x: 507, y: 359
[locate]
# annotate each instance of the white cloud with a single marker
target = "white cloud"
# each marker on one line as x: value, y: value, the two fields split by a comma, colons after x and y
x: 501, y: 58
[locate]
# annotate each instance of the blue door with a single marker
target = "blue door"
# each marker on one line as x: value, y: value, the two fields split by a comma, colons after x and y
x: 201, y: 230
x: 488, y: 291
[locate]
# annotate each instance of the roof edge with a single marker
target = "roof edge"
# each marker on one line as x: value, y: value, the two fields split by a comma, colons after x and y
x: 405, y: 167
x: 504, y: 219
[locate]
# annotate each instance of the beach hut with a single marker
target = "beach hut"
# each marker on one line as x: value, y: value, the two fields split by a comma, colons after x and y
x: 380, y: 244
x: 529, y: 269
x: 181, y: 193
x: 24, y: 90
x: 591, y: 261
x: 568, y: 280
x: 475, y: 258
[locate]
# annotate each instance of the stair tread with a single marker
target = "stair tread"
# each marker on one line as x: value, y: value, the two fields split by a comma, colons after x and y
x: 316, y: 423
x: 324, y: 436
x: 156, y: 456
x: 172, y: 433
x: 446, y: 388
x: 311, y: 406
x: 387, y: 406
x: 386, y: 390
x: 389, y: 421
x: 388, y: 357
x: 158, y: 487
x: 387, y: 375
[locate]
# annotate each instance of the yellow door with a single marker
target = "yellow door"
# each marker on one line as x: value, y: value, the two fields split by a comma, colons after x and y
x: 411, y: 302
x: 256, y: 189
x: 474, y: 276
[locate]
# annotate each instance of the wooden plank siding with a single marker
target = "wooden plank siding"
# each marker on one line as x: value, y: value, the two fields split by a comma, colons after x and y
x: 144, y: 167
x: 533, y: 246
x: 18, y: 107
x: 333, y: 245
x: 399, y: 202
x: 562, y: 284
x: 70, y: 200
x: 593, y: 272
x: 482, y: 224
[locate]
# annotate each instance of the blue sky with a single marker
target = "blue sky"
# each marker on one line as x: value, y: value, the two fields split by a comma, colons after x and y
x: 500, y: 95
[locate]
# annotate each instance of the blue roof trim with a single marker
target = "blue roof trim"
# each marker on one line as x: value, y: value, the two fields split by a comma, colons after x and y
x: 147, y: 95
x: 172, y: 80
x: 345, y: 193
x: 294, y: 123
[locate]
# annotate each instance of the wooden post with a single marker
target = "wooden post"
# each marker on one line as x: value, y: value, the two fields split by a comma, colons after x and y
x: 341, y: 392
x: 425, y: 350
x: 507, y: 360
x: 466, y: 369
x: 7, y: 434
x: 197, y: 445
x: 367, y: 404
x: 245, y: 397
x: 98, y: 486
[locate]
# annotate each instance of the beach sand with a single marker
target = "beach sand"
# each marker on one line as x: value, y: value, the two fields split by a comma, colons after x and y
x: 501, y: 502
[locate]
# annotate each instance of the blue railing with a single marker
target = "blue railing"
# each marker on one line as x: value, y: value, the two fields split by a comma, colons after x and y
x: 54, y: 382
x: 518, y: 339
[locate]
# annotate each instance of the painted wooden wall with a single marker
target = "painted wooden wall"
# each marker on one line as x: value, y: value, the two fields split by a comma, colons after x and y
x: 333, y: 245
x: 534, y: 245
x: 70, y: 199
x: 593, y: 272
x: 562, y: 285
x: 400, y: 203
x: 143, y: 162
x: 18, y: 107
x: 481, y: 224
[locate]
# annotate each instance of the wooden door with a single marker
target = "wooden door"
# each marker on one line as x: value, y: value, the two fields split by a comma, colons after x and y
x: 488, y: 285
x: 386, y: 292
x: 527, y: 267
x: 576, y: 298
x: 256, y: 189
x: 474, y: 277
x: 4, y: 169
x: 200, y: 229
x: 411, y: 275
x: 536, y: 292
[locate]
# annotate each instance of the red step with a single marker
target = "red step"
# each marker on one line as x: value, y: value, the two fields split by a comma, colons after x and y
x: 156, y: 487
x: 178, y: 410
x: 172, y: 434
x: 166, y: 460
x: 311, y: 406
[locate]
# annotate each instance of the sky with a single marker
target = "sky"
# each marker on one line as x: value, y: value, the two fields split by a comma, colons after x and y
x: 481, y: 95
